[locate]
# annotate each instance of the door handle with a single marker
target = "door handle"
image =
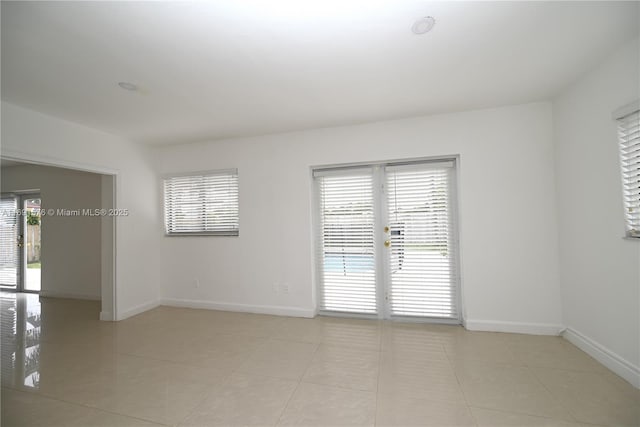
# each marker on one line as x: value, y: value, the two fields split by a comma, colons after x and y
x: 20, y: 241
x: 387, y: 243
x: 386, y: 229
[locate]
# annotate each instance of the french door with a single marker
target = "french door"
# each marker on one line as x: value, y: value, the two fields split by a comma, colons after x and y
x: 387, y: 240
x: 20, y: 242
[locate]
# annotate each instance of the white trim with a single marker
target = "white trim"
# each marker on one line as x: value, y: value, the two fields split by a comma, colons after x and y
x: 513, y: 327
x: 233, y: 171
x: 342, y: 171
x: 125, y: 314
x: 39, y: 159
x: 626, y: 110
x: 106, y: 316
x: 316, y: 224
x: 393, y: 167
x: 608, y: 358
x: 69, y: 295
x: 354, y: 165
x: 243, y: 308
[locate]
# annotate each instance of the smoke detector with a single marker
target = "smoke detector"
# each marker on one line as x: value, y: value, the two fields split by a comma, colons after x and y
x: 423, y: 25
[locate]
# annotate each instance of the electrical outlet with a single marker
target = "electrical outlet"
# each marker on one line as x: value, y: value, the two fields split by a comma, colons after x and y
x: 196, y: 282
x: 285, y: 288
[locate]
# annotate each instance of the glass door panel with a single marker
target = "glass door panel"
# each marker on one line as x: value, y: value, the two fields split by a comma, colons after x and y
x: 32, y: 227
x: 9, y: 242
x: 347, y: 243
x: 420, y: 255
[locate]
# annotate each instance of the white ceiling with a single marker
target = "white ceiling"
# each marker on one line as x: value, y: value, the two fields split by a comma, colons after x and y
x: 210, y: 70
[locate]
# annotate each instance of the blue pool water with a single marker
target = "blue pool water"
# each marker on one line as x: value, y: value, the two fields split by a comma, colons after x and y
x: 349, y: 263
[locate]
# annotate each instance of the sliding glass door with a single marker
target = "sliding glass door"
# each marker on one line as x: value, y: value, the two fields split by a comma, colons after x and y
x: 386, y: 240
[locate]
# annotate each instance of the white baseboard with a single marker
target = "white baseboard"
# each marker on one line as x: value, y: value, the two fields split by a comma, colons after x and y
x: 513, y: 327
x: 124, y: 314
x: 244, y: 308
x: 56, y: 294
x: 608, y: 358
x: 106, y: 316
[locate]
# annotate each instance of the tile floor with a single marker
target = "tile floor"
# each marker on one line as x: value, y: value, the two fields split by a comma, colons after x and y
x: 171, y: 366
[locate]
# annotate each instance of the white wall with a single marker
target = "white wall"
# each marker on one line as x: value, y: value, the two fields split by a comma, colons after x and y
x: 600, y: 272
x: 29, y: 135
x: 507, y: 214
x: 71, y: 245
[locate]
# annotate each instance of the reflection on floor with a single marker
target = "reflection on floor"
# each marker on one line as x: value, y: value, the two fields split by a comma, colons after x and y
x: 170, y: 366
x: 21, y: 338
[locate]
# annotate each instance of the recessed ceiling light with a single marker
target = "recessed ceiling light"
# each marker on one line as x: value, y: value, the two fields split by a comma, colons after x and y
x: 128, y: 86
x: 423, y: 25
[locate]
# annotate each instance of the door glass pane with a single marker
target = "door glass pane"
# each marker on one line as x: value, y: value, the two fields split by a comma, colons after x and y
x: 347, y: 243
x: 421, y: 256
x: 32, y: 244
x: 9, y: 255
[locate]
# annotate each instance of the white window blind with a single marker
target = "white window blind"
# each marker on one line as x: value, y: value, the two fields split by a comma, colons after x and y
x: 346, y: 241
x: 202, y: 204
x: 8, y: 241
x: 422, y: 258
x: 629, y: 137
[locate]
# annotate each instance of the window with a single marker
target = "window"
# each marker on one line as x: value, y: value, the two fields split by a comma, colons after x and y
x: 629, y: 137
x: 202, y: 204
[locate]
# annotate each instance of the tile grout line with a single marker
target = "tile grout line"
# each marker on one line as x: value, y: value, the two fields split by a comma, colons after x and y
x: 459, y: 382
x: 205, y: 396
x: 286, y: 405
x: 86, y: 406
x: 502, y: 411
x: 528, y: 367
x: 377, y: 395
x: 552, y: 394
x: 210, y: 386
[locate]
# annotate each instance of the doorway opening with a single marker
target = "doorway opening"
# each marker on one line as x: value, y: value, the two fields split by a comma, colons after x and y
x: 52, y: 241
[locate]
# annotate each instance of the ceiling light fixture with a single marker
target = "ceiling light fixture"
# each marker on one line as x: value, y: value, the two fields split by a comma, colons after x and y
x: 423, y: 25
x: 128, y: 86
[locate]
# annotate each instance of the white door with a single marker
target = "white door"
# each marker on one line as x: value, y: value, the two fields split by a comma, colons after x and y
x: 386, y: 241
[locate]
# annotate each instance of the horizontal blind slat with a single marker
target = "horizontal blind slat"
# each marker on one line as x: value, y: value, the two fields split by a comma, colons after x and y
x: 629, y: 139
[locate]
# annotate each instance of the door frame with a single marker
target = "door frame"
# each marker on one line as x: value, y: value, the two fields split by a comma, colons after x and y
x: 380, y: 210
x: 22, y: 230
